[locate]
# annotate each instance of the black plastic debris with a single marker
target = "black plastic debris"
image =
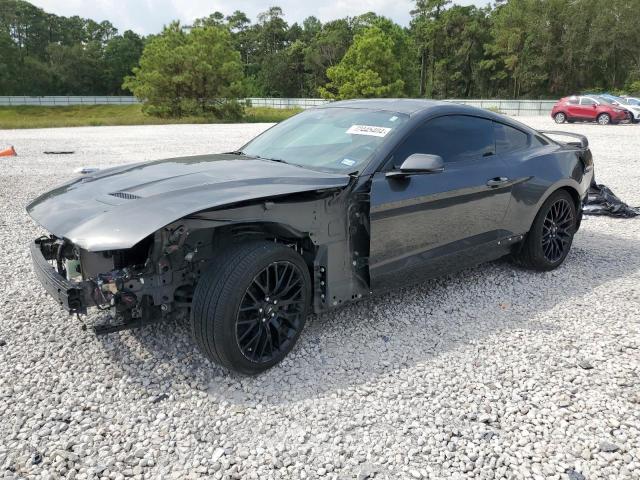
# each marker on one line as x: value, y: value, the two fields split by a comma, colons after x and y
x: 602, y: 201
x: 159, y: 398
x: 59, y: 152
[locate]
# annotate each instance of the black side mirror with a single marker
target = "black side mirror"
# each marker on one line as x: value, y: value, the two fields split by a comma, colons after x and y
x: 419, y: 163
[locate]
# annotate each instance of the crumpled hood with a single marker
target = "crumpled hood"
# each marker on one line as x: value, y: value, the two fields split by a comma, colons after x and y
x: 116, y: 208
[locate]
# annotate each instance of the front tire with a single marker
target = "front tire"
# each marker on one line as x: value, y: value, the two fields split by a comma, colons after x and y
x: 549, y: 241
x: 604, y: 119
x: 560, y: 117
x: 249, y: 309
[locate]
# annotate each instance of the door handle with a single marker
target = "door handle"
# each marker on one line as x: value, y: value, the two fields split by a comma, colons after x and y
x: 496, y: 182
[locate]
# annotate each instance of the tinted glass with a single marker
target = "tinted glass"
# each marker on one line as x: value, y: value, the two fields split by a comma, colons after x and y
x: 587, y: 101
x: 330, y: 139
x: 509, y: 138
x: 538, y: 141
x: 573, y: 101
x: 605, y: 100
x: 454, y: 138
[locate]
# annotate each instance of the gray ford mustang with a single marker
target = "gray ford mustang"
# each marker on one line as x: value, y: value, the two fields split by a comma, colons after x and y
x: 335, y: 204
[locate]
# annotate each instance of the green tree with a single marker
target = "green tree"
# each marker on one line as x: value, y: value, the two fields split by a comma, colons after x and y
x: 428, y: 33
x: 121, y: 55
x: 511, y: 48
x: 272, y: 31
x: 368, y: 69
x: 183, y: 73
x: 324, y: 50
x: 455, y: 71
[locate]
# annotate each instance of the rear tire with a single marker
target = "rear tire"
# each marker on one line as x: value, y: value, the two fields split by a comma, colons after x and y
x: 604, y: 119
x: 560, y: 117
x: 250, y: 307
x: 549, y: 241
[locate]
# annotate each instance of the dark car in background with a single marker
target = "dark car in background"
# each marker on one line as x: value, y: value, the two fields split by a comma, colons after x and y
x: 332, y: 205
x: 588, y: 108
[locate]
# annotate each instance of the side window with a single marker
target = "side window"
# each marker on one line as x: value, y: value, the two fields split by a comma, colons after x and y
x: 573, y: 101
x: 509, y: 138
x: 453, y: 137
x: 586, y: 101
x: 538, y: 141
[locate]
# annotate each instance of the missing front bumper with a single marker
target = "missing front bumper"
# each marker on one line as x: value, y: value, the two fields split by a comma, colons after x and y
x: 73, y: 297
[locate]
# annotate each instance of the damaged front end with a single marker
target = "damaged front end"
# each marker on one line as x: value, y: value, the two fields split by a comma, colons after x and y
x: 156, y: 277
x: 128, y: 283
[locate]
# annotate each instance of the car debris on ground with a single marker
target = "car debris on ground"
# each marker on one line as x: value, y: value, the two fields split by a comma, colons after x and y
x: 602, y: 201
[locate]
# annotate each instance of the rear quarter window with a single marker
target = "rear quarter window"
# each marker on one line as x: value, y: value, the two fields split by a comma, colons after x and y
x: 509, y: 139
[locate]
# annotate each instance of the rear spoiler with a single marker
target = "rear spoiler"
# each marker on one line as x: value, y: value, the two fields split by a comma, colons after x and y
x: 583, y: 143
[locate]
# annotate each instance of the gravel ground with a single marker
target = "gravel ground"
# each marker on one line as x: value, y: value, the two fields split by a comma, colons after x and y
x: 491, y: 373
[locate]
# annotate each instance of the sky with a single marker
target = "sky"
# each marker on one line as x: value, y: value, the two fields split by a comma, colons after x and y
x: 149, y: 16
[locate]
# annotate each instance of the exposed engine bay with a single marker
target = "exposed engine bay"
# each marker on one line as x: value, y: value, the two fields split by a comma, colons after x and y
x: 155, y: 279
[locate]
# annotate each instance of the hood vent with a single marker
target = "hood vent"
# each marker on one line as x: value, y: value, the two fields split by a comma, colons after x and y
x: 124, y: 195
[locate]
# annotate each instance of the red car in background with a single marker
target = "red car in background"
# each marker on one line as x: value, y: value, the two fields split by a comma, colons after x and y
x: 587, y: 108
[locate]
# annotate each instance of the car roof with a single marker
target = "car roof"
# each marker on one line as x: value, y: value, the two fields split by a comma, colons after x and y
x: 412, y: 106
x: 407, y: 106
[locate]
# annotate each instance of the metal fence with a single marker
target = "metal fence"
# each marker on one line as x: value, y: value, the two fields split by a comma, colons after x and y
x: 512, y: 107
x: 62, y: 100
x: 286, y: 102
x: 509, y: 107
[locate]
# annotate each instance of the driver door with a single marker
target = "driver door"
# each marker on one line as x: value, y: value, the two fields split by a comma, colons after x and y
x: 428, y: 224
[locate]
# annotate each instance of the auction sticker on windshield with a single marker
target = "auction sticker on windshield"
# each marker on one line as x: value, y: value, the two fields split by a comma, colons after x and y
x: 368, y: 130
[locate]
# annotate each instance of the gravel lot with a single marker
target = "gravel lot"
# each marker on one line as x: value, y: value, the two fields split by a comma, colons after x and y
x: 492, y: 373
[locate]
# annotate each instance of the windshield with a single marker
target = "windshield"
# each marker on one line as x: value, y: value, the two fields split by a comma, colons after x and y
x: 329, y: 139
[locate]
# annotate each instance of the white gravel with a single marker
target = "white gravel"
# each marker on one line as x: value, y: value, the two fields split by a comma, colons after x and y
x: 492, y: 373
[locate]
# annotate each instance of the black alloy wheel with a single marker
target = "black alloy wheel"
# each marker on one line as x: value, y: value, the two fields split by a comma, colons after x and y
x: 557, y: 230
x: 549, y: 240
x: 271, y: 312
x: 250, y: 307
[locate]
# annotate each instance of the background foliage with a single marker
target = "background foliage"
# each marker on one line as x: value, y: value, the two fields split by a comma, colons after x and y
x: 189, y: 73
x: 511, y: 49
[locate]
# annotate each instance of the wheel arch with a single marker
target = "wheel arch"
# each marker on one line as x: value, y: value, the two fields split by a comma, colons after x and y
x: 568, y: 185
x: 234, y: 232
